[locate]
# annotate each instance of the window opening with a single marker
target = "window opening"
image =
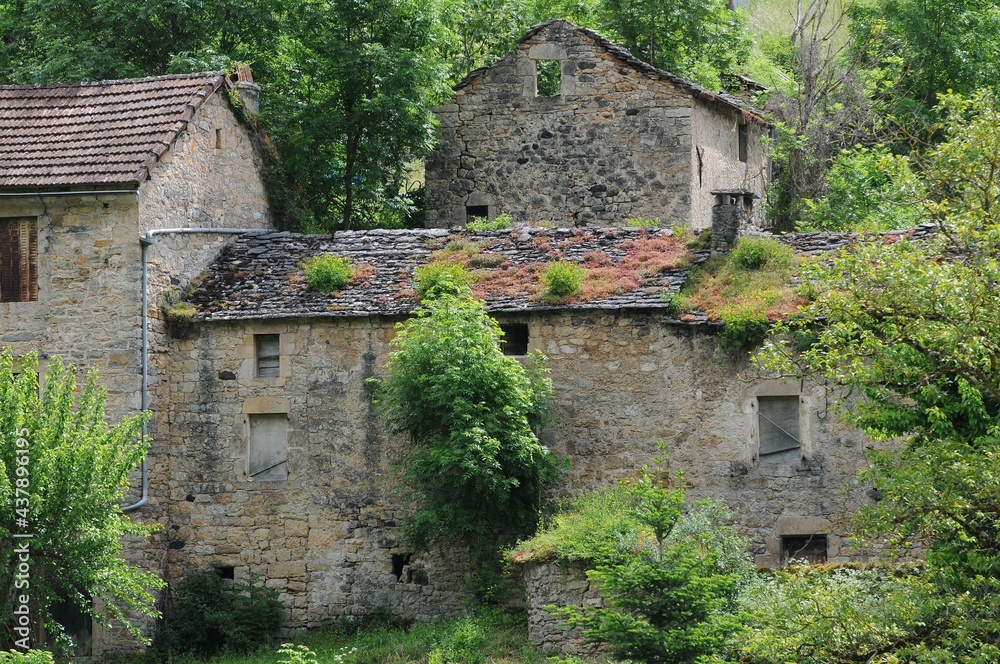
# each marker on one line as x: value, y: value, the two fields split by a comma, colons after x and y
x: 515, y: 338
x: 804, y: 547
x: 743, y: 133
x: 476, y: 212
x: 548, y: 78
x: 18, y: 260
x: 218, y: 139
x: 226, y: 572
x: 78, y: 625
x: 268, y: 457
x: 399, y: 561
x: 778, y: 424
x: 267, y: 349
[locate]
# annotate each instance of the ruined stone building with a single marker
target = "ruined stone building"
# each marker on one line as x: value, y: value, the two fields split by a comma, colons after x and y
x: 571, y: 130
x: 118, y: 197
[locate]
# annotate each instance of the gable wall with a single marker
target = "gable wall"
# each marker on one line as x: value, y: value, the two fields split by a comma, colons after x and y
x: 615, y: 144
x: 325, y: 537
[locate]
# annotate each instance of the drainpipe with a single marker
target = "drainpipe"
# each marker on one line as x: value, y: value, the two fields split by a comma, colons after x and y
x: 144, y: 242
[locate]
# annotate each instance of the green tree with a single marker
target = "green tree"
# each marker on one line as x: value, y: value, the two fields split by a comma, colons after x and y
x: 696, y: 39
x: 476, y: 468
x: 63, y: 474
x: 474, y: 33
x: 912, y: 327
x: 349, y: 104
x: 670, y: 597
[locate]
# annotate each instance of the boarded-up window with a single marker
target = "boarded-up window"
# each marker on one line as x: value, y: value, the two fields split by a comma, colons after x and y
x: 268, y: 447
x: 515, y: 339
x: 804, y: 547
x: 18, y: 260
x: 778, y: 424
x: 267, y: 349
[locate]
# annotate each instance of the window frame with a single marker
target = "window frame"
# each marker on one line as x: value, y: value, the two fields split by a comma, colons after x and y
x: 273, y: 359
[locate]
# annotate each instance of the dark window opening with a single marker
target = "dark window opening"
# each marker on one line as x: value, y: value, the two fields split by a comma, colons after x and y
x: 267, y: 349
x: 226, y: 571
x: 548, y: 78
x: 804, y: 547
x: 218, y: 139
x: 515, y: 339
x: 18, y: 260
x: 743, y: 131
x: 399, y: 561
x: 476, y: 212
x: 778, y: 424
x: 77, y: 624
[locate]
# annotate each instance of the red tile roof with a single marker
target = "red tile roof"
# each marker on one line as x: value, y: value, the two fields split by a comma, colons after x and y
x: 104, y: 133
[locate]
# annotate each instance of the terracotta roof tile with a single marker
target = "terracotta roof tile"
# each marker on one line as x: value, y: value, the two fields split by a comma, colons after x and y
x: 103, y: 133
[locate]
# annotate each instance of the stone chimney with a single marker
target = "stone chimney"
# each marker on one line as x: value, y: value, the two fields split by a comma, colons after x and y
x: 732, y: 208
x: 247, y: 91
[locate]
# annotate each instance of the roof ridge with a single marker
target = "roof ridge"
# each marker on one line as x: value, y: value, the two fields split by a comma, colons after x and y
x: 114, y: 81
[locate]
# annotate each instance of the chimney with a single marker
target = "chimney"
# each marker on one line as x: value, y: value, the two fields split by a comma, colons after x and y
x: 733, y: 207
x: 247, y: 91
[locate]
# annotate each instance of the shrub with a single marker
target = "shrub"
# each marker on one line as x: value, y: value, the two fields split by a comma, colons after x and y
x: 500, y: 222
x: 753, y: 253
x: 326, y: 273
x: 181, y: 312
x: 439, y: 278
x: 466, y: 644
x: 562, y: 280
x: 29, y: 657
x: 743, y: 329
x: 296, y: 654
x: 642, y: 222
x: 210, y: 615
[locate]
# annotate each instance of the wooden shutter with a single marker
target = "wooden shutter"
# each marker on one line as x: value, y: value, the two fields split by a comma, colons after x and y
x: 18, y: 260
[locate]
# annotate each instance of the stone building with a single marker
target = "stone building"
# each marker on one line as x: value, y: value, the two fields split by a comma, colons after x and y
x: 571, y: 130
x: 95, y: 181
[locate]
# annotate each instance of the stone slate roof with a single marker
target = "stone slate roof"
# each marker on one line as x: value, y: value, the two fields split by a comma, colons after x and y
x: 103, y: 133
x: 258, y: 276
x: 624, y: 55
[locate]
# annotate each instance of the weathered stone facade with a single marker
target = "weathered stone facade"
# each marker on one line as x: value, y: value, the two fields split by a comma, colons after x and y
x: 621, y: 140
x: 90, y: 272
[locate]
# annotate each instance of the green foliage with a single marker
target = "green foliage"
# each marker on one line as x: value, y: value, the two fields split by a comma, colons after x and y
x: 210, y: 615
x: 181, y: 312
x: 296, y: 654
x: 67, y: 480
x: 911, y: 327
x: 670, y: 593
x: 474, y: 33
x: 641, y: 222
x: 743, y: 329
x: 562, y: 280
x: 466, y: 643
x: 29, y: 657
x: 868, y: 189
x: 755, y: 253
x: 326, y: 273
x: 440, y: 278
x: 500, y: 222
x: 476, y: 467
x: 697, y: 39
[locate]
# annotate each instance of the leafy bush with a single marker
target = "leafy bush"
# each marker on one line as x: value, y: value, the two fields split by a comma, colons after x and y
x: 326, y: 273
x: 743, y: 329
x: 476, y: 468
x: 210, y: 615
x: 562, y: 280
x: 753, y: 253
x: 642, y: 222
x: 29, y: 657
x: 500, y: 222
x: 466, y: 644
x: 439, y: 278
x: 670, y: 595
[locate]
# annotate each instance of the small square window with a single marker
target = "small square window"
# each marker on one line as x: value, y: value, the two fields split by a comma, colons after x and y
x: 476, y: 212
x: 268, y: 454
x: 268, y: 355
x: 548, y: 78
x: 18, y: 260
x: 515, y: 339
x: 804, y: 547
x: 778, y: 424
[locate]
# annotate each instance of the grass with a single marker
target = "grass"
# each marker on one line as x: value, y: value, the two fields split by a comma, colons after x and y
x: 495, y: 638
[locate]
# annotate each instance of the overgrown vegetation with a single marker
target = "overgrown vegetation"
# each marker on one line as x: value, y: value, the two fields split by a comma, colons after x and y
x: 63, y: 474
x: 210, y: 615
x: 746, y: 290
x: 326, y: 273
x: 498, y: 223
x: 561, y: 280
x: 438, y: 278
x: 476, y: 468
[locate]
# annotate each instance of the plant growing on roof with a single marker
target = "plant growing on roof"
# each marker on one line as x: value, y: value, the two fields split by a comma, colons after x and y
x: 562, y: 280
x: 476, y: 468
x: 440, y: 278
x: 326, y: 273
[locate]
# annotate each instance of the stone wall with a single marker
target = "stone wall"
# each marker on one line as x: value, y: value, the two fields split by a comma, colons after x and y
x: 326, y: 536
x: 616, y: 143
x: 559, y: 584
